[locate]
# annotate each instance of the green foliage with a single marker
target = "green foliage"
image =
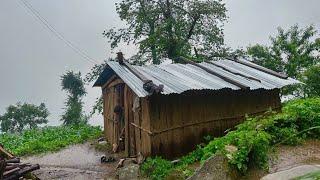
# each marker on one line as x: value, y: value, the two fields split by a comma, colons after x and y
x: 252, y: 140
x: 98, y: 106
x: 156, y: 168
x: 290, y: 52
x: 311, y: 77
x: 170, y: 28
x: 74, y: 85
x: 23, y: 116
x: 47, y: 139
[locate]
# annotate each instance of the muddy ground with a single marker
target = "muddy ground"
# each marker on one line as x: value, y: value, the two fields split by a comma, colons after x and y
x: 83, y: 162
x: 287, y: 159
x: 75, y: 162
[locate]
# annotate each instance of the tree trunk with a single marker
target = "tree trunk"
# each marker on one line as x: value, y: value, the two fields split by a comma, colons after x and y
x: 155, y: 59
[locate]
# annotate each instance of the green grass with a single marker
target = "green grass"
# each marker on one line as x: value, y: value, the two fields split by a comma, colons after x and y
x: 47, y: 139
x: 252, y: 140
x: 310, y: 176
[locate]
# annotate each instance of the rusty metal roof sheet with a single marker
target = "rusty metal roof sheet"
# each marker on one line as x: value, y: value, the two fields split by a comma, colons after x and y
x: 178, y: 78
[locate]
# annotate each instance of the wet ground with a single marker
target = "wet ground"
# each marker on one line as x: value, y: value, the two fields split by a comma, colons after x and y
x: 83, y: 162
x: 75, y: 162
x: 287, y: 157
x: 293, y: 161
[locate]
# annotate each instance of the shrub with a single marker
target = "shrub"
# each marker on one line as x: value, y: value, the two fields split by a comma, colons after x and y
x: 156, y: 168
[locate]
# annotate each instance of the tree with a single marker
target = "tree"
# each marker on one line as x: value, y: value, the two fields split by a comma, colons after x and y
x: 291, y: 51
x: 311, y: 78
x: 170, y: 28
x: 23, y: 116
x: 74, y: 85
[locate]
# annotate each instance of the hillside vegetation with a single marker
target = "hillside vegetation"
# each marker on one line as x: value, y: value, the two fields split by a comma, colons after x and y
x: 47, y: 139
x: 251, y: 141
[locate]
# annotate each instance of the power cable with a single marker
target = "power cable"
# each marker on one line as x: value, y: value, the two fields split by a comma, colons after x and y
x: 55, y: 32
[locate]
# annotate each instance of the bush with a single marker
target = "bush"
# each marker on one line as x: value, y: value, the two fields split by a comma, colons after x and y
x: 47, y: 139
x: 311, y: 78
x: 156, y: 168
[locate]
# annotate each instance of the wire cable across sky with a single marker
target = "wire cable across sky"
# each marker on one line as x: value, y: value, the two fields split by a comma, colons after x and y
x: 56, y: 33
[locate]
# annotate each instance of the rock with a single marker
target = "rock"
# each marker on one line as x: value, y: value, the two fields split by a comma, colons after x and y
x: 105, y: 159
x: 215, y: 168
x: 103, y: 142
x: 293, y: 172
x: 101, y: 139
x: 231, y: 149
x: 140, y: 158
x: 131, y: 171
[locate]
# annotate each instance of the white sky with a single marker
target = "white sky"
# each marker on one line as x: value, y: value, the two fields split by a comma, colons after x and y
x: 32, y: 59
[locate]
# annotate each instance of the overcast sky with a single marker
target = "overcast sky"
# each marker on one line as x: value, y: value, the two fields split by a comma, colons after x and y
x: 32, y: 59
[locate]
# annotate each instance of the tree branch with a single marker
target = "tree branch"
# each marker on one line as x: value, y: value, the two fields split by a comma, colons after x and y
x: 193, y: 24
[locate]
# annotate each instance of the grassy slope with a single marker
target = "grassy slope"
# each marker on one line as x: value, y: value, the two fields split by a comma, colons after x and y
x: 47, y: 139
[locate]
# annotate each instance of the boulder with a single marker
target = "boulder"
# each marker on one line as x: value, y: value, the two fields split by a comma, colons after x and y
x: 129, y: 171
x: 215, y: 168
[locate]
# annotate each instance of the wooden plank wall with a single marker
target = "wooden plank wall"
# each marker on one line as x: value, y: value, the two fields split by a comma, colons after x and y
x: 136, y: 117
x: 110, y: 100
x: 179, y: 122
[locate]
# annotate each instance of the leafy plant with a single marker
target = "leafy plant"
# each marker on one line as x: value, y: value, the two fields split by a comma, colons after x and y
x: 311, y: 78
x: 47, y: 139
x: 170, y: 28
x: 156, y: 168
x: 291, y: 52
x: 74, y: 85
x: 23, y: 116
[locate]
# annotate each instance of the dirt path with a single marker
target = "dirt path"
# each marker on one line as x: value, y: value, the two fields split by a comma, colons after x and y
x: 294, y: 161
x: 75, y: 162
x: 289, y: 157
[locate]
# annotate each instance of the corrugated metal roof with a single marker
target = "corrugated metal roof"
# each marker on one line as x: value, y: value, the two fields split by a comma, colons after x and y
x: 178, y: 78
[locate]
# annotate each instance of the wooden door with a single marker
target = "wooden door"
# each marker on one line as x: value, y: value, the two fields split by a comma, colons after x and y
x: 114, y: 114
x: 119, y: 128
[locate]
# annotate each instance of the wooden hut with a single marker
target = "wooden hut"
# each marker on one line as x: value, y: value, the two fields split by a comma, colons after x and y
x: 166, y: 110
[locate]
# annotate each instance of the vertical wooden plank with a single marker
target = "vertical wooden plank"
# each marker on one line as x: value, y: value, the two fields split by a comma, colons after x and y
x: 136, y: 115
x: 145, y: 107
x: 126, y: 119
x: 132, y: 129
